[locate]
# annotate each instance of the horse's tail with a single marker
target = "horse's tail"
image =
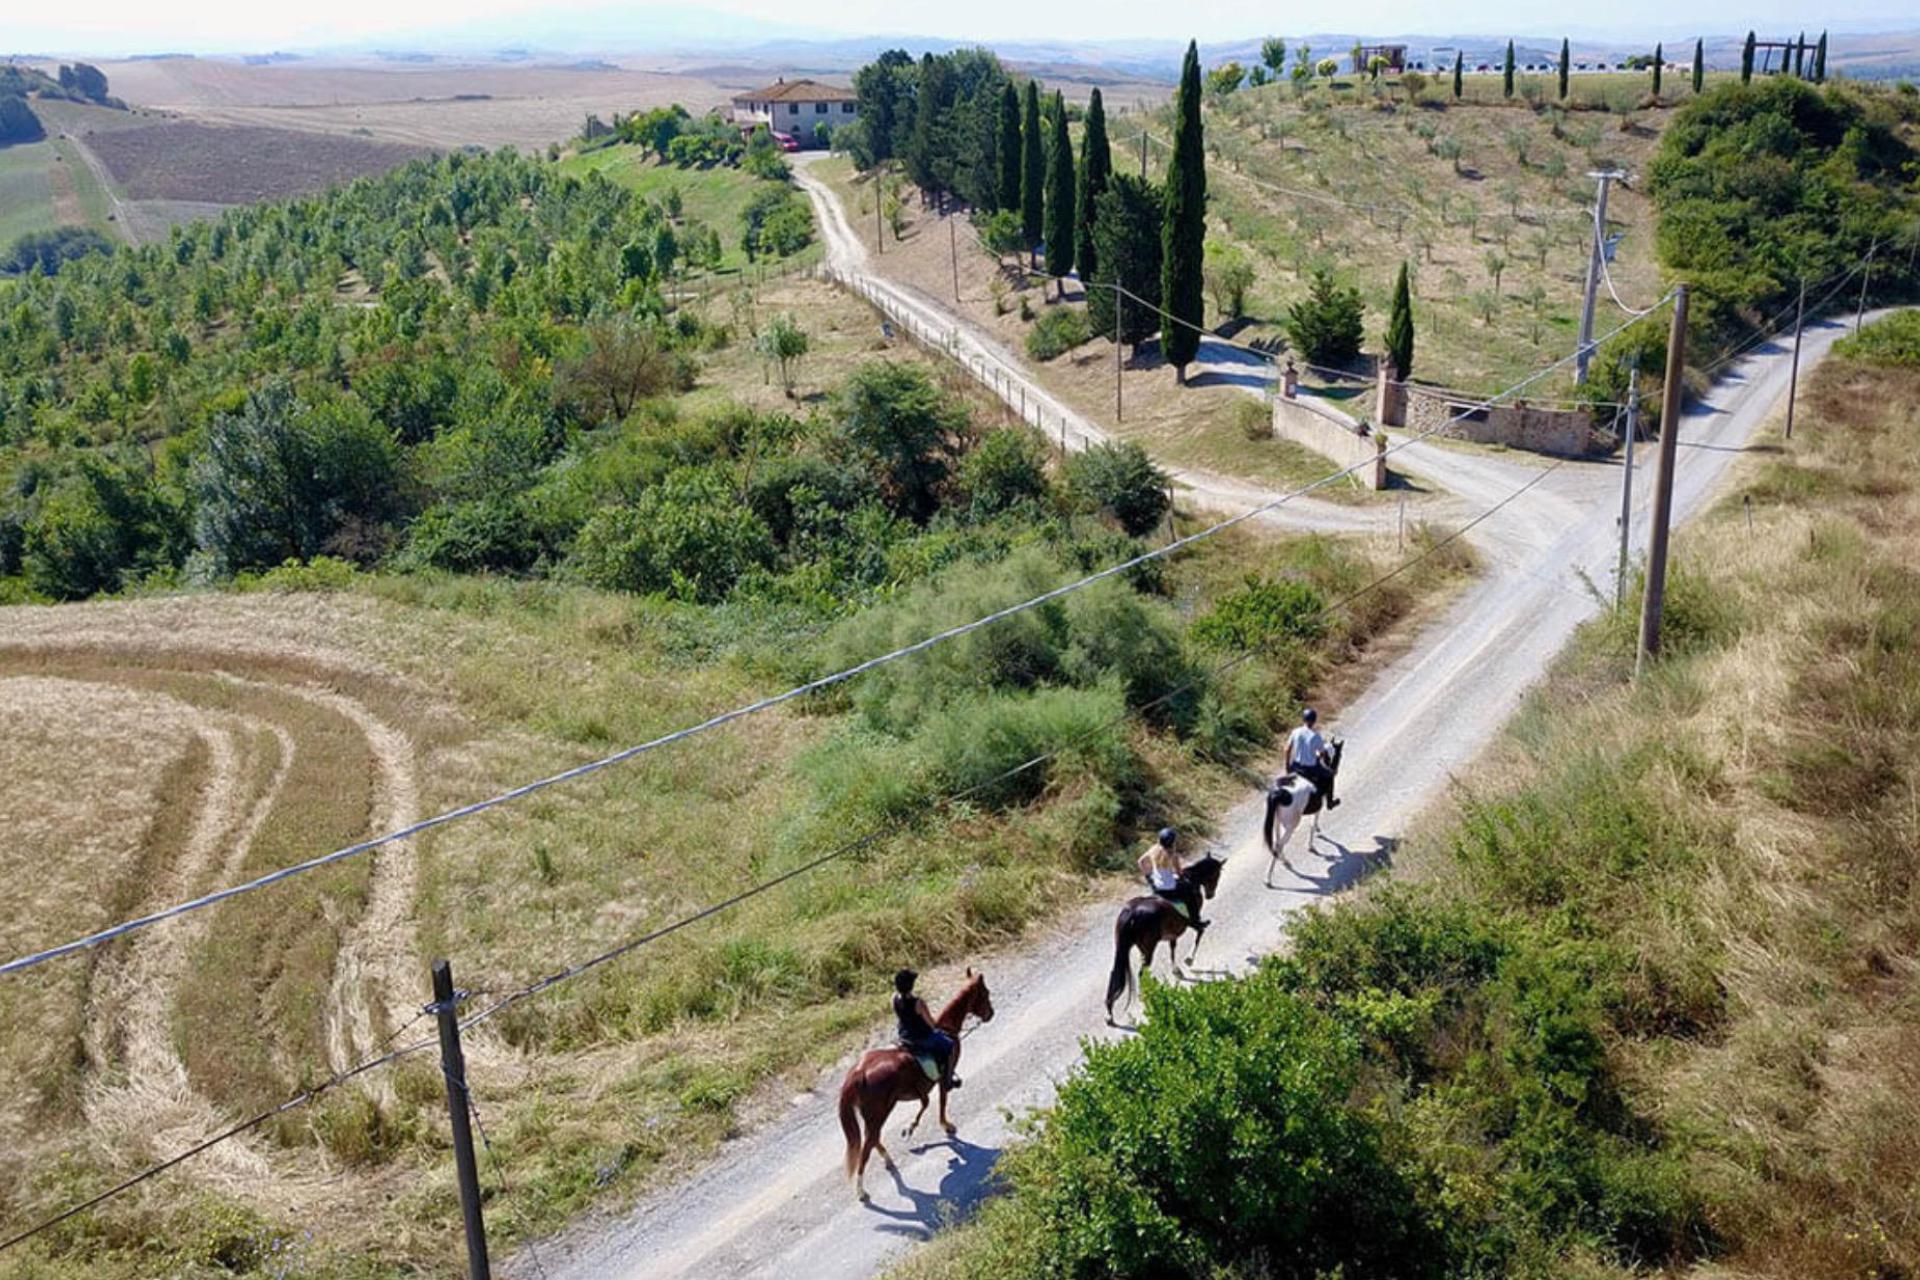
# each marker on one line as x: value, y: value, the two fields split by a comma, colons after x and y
x: 1122, y: 978
x: 1274, y: 795
x: 849, y: 1118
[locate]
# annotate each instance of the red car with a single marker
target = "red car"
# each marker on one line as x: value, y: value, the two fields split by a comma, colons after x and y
x: 786, y: 140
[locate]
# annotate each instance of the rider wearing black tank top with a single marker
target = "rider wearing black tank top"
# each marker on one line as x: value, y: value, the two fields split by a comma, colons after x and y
x: 916, y: 1029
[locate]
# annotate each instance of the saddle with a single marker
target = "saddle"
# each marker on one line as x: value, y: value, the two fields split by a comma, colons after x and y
x: 929, y: 1063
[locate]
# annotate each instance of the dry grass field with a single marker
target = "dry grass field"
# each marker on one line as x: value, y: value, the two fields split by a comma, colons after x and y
x: 437, y: 104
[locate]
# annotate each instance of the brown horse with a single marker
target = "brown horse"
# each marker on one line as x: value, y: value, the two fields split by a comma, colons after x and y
x: 1145, y: 923
x: 884, y: 1078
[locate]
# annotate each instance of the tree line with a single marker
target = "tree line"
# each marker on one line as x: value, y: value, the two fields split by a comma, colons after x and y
x: 964, y: 131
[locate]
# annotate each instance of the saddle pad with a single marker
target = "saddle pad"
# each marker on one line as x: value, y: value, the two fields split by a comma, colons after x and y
x: 929, y: 1064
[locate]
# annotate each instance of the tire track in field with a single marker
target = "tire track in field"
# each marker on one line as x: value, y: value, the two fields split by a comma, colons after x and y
x: 376, y: 961
x: 143, y: 1094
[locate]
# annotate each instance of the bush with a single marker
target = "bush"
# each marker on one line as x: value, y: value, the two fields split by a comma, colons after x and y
x: 1006, y: 470
x: 1217, y: 1139
x: 473, y: 537
x: 903, y: 431
x: 1059, y: 330
x: 688, y: 536
x: 283, y: 479
x: 1121, y: 480
x: 49, y: 250
x: 1891, y: 340
x: 1326, y: 325
x: 1261, y: 613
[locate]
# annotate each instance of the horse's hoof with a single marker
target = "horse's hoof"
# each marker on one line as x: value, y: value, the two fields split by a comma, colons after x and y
x: 953, y: 1130
x: 864, y: 1197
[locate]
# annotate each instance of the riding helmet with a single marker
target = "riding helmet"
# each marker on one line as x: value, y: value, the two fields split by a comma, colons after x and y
x: 903, y: 981
x: 1167, y: 836
x: 1309, y: 715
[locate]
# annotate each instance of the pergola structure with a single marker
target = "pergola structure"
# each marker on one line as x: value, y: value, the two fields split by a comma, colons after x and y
x: 1364, y: 54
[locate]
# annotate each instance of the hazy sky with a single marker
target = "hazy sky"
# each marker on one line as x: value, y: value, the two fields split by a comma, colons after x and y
x: 119, y: 26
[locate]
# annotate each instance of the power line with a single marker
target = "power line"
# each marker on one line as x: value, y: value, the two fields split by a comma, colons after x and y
x: 300, y: 1099
x: 843, y: 850
x: 738, y: 713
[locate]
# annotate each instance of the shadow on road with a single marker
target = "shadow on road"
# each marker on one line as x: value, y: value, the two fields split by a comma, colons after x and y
x: 1346, y: 868
x: 969, y: 1170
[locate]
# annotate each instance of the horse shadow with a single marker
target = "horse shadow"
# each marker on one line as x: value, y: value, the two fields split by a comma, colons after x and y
x: 1346, y: 868
x: 965, y: 1183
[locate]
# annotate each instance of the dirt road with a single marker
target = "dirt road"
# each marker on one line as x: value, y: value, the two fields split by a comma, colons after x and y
x: 773, y: 1203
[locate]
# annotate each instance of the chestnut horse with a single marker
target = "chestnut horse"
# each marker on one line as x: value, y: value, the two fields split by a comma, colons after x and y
x: 1145, y: 923
x: 884, y: 1078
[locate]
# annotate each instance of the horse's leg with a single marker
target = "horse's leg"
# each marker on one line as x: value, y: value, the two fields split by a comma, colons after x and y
x: 908, y: 1131
x: 944, y: 1122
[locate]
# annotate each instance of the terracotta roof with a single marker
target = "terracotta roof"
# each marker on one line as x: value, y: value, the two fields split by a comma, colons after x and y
x: 798, y: 91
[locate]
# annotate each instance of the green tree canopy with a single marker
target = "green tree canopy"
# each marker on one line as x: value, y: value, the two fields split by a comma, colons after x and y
x: 1127, y: 246
x: 1096, y: 170
x: 1061, y: 224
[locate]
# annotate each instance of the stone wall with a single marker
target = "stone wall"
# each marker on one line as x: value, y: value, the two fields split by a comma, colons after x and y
x: 1518, y: 425
x: 1316, y: 425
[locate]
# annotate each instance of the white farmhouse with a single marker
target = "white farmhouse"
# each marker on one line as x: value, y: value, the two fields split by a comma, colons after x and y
x: 798, y: 108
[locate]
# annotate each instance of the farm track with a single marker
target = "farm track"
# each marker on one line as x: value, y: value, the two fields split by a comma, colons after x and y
x: 774, y: 1202
x: 139, y: 1094
x: 123, y: 215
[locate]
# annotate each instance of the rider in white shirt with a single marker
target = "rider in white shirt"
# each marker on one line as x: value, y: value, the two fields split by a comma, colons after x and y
x: 1307, y: 756
x: 1166, y: 876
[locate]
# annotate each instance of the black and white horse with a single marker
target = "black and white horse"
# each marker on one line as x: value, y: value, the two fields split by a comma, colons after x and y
x: 1289, y: 799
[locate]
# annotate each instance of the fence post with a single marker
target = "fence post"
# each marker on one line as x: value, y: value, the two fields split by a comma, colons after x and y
x: 453, y: 1064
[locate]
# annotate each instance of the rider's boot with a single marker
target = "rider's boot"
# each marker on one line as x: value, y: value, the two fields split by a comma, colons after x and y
x: 1333, y: 802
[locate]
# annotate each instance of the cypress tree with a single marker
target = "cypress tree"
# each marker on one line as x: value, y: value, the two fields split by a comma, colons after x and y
x: 1183, y: 229
x: 1096, y: 170
x: 1659, y: 65
x: 1009, y: 148
x: 1746, y: 61
x: 1126, y: 228
x: 1399, y: 341
x: 1062, y: 226
x: 1820, y: 60
x: 1566, y: 64
x: 1506, y: 73
x: 1459, y: 70
x: 1699, y: 64
x: 1033, y: 170
x: 1800, y: 55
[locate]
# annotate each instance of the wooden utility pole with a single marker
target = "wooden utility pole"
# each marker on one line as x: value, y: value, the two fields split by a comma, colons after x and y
x: 953, y: 248
x: 1860, y: 312
x: 1630, y: 434
x: 1143, y: 153
x: 1119, y: 300
x: 1656, y: 595
x: 1793, y: 376
x: 879, y: 239
x: 1583, y: 353
x: 446, y: 1009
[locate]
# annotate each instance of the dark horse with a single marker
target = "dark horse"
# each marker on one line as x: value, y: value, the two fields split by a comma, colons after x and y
x: 1147, y: 922
x: 884, y: 1078
x: 1288, y: 800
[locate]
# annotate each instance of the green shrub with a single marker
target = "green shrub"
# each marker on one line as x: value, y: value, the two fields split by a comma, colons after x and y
x: 1217, y: 1136
x: 1326, y: 325
x: 1121, y: 480
x: 485, y: 534
x: 903, y: 431
x: 1891, y: 340
x: 688, y: 536
x: 1261, y: 613
x: 1006, y: 470
x: 1059, y: 330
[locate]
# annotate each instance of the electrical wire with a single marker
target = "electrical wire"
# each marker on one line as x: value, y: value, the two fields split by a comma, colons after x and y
x: 843, y: 850
x: 124, y: 928
x: 300, y: 1099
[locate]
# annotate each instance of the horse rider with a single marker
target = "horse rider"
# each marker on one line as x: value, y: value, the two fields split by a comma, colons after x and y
x: 916, y: 1030
x: 1166, y: 876
x: 1307, y: 757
